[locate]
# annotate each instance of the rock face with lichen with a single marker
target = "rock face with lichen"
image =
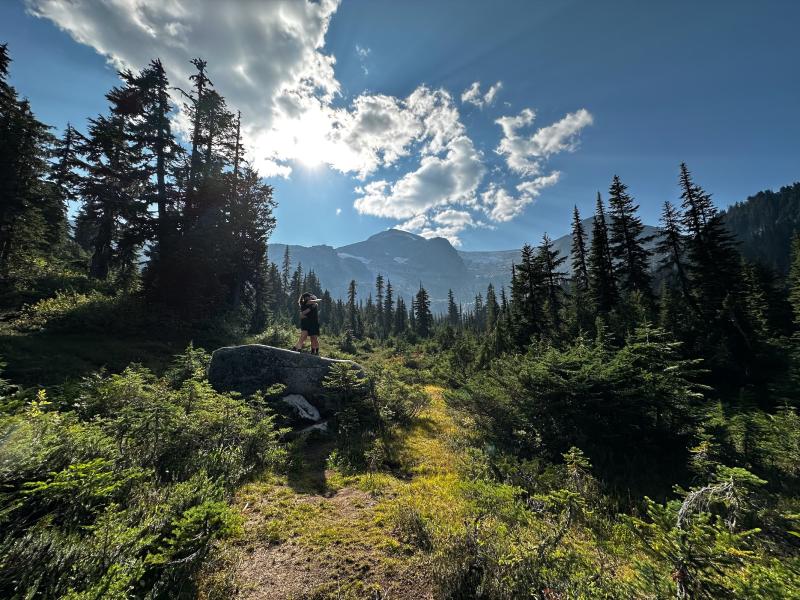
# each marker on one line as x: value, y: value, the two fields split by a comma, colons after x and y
x: 253, y: 367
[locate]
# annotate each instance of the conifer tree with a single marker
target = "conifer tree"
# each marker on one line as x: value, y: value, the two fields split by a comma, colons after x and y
x: 602, y: 283
x: 388, y: 309
x: 714, y: 263
x: 794, y: 280
x: 492, y: 309
x: 526, y: 295
x: 626, y: 242
x: 453, y: 316
x: 115, y: 188
x: 671, y: 247
x: 553, y: 279
x: 400, y: 317
x: 352, y: 308
x: 422, y: 313
x: 286, y: 268
x: 379, y: 299
x: 580, y: 265
x: 153, y: 131
x: 31, y: 208
x: 479, y: 314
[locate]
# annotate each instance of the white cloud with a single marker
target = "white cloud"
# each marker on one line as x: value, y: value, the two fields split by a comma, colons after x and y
x: 525, y: 154
x: 363, y: 53
x: 266, y: 58
x: 439, y: 181
x: 473, y: 94
x: 501, y: 206
x: 448, y: 223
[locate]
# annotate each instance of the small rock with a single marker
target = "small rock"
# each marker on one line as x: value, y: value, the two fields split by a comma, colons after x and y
x: 302, y: 407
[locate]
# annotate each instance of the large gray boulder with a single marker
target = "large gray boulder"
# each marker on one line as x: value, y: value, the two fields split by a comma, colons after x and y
x: 253, y: 367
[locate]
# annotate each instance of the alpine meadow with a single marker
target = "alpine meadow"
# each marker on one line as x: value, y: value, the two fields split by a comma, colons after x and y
x: 554, y: 324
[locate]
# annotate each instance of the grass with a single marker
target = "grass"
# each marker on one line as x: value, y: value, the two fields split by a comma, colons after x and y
x: 316, y: 533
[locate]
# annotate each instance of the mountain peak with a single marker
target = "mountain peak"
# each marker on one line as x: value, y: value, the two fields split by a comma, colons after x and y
x: 395, y: 233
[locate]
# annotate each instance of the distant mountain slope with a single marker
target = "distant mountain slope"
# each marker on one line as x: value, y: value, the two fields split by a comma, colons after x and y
x: 495, y: 267
x: 404, y: 258
x: 765, y: 224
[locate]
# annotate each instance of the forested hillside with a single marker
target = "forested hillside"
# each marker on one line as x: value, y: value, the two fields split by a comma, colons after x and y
x: 765, y: 224
x: 607, y: 430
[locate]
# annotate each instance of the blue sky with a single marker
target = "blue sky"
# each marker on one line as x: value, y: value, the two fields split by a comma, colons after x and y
x: 361, y: 114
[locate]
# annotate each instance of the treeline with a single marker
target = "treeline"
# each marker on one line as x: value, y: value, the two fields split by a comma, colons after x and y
x: 766, y: 223
x: 690, y: 279
x: 186, y: 226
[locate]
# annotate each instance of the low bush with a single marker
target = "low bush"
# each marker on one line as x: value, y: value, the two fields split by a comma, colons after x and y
x: 116, y: 487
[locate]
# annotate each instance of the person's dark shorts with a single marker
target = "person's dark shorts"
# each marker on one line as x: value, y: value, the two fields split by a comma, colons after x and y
x: 311, y: 328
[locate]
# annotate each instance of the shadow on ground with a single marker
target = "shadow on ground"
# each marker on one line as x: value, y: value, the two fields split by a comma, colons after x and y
x: 309, y: 459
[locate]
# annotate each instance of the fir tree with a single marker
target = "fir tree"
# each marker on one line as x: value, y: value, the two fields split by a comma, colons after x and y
x: 286, y: 268
x: 352, y: 308
x: 626, y: 242
x: 671, y: 247
x: 400, y: 317
x: 552, y: 280
x: 794, y: 280
x: 492, y: 309
x: 379, y: 300
x: 453, y: 316
x: 422, y: 313
x: 31, y: 209
x: 388, y: 309
x: 714, y: 262
x: 602, y: 283
x: 580, y: 265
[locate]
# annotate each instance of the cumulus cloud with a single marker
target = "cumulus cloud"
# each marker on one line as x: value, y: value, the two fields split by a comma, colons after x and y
x: 500, y: 205
x: 266, y: 57
x: 447, y: 180
x: 269, y: 60
x: 473, y: 95
x: 525, y: 153
x: 448, y: 223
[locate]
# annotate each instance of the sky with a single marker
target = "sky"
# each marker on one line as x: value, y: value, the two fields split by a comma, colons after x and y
x: 482, y: 122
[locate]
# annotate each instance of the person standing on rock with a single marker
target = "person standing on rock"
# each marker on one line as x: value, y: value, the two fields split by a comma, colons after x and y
x: 309, y: 322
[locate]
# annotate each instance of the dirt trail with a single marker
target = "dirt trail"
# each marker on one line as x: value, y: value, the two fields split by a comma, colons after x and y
x: 315, y: 534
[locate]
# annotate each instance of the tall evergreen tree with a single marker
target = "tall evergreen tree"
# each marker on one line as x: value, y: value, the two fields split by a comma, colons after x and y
x: 286, y: 268
x: 379, y: 298
x: 453, y: 316
x: 627, y: 243
x: 400, y: 317
x: 492, y: 309
x: 352, y: 309
x: 31, y: 209
x: 388, y: 309
x: 115, y: 188
x: 422, y: 313
x: 714, y: 262
x: 553, y: 280
x: 671, y: 247
x: 602, y: 282
x: 794, y: 280
x: 580, y: 263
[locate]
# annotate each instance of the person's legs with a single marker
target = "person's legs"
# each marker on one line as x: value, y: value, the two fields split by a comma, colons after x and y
x: 303, y: 336
x: 314, y: 344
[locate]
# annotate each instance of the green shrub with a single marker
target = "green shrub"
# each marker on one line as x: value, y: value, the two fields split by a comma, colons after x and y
x: 122, y: 492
